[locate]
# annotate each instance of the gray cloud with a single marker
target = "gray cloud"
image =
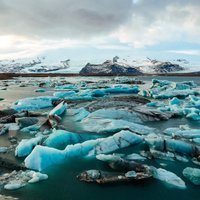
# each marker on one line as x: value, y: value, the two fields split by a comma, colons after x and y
x: 155, y: 21
x: 62, y: 18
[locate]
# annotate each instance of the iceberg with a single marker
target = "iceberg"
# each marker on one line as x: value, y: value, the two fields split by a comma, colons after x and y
x: 42, y: 157
x: 13, y: 186
x: 98, y: 93
x: 37, y: 177
x: 116, y: 114
x: 66, y: 87
x: 77, y: 114
x: 101, y: 125
x: 34, y: 103
x: 3, y: 149
x: 122, y: 90
x: 168, y: 177
x: 192, y: 174
x: 60, y: 139
x: 62, y: 95
x: 25, y: 147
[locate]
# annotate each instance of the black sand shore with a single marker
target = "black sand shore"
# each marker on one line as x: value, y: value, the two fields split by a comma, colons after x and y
x: 5, y: 76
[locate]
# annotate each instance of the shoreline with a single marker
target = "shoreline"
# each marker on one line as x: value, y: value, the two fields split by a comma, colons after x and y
x: 5, y: 76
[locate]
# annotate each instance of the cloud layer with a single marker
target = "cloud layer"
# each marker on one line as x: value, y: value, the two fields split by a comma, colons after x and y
x: 32, y: 26
x: 63, y: 18
x: 156, y: 21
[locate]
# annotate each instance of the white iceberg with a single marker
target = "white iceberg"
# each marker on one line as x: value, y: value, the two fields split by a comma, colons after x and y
x: 169, y: 178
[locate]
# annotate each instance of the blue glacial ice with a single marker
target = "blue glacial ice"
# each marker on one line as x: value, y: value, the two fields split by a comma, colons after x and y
x: 25, y: 147
x: 34, y: 103
x: 66, y: 87
x: 43, y: 157
x: 59, y: 139
x: 62, y: 95
x: 168, y: 177
x: 116, y: 114
x: 192, y: 174
x: 188, y: 133
x: 103, y: 125
x: 77, y: 114
x: 165, y: 143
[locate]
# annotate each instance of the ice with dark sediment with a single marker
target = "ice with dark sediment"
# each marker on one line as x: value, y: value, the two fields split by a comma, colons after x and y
x: 18, y: 179
x: 165, y: 143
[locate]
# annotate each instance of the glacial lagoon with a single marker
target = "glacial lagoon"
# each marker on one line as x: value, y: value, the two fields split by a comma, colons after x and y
x: 62, y: 182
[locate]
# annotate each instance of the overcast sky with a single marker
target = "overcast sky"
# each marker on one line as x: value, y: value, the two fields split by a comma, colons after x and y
x: 100, y: 28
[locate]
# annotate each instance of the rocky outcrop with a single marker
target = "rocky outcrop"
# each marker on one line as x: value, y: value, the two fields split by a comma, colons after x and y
x: 109, y: 68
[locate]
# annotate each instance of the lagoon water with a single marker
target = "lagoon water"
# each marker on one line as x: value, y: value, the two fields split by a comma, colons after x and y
x: 63, y: 184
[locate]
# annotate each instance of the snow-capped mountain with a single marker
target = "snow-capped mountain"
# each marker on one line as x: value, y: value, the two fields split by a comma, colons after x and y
x: 109, y: 68
x: 150, y: 66
x: 125, y: 67
x: 116, y: 66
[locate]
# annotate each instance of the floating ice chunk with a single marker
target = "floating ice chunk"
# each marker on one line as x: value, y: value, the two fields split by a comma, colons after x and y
x: 42, y: 157
x: 40, y: 90
x: 134, y: 156
x: 171, y: 131
x: 108, y: 158
x: 98, y: 93
x: 175, y: 101
x: 126, y: 90
x: 192, y: 174
x: 13, y: 186
x: 34, y: 103
x: 59, y: 109
x: 188, y: 133
x: 78, y: 114
x: 66, y: 87
x: 25, y: 147
x: 62, y: 95
x: 130, y: 174
x: 37, y: 177
x: 182, y: 147
x: 12, y: 126
x: 169, y: 178
x: 31, y: 129
x: 3, y: 149
x: 155, y: 104
x: 93, y: 173
x: 182, y: 86
x: 196, y: 140
x: 116, y: 114
x: 60, y: 139
x: 161, y: 83
x: 100, y: 125
x: 120, y: 140
x: 193, y: 116
x: 155, y: 141
x: 170, y: 93
x: 26, y: 121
